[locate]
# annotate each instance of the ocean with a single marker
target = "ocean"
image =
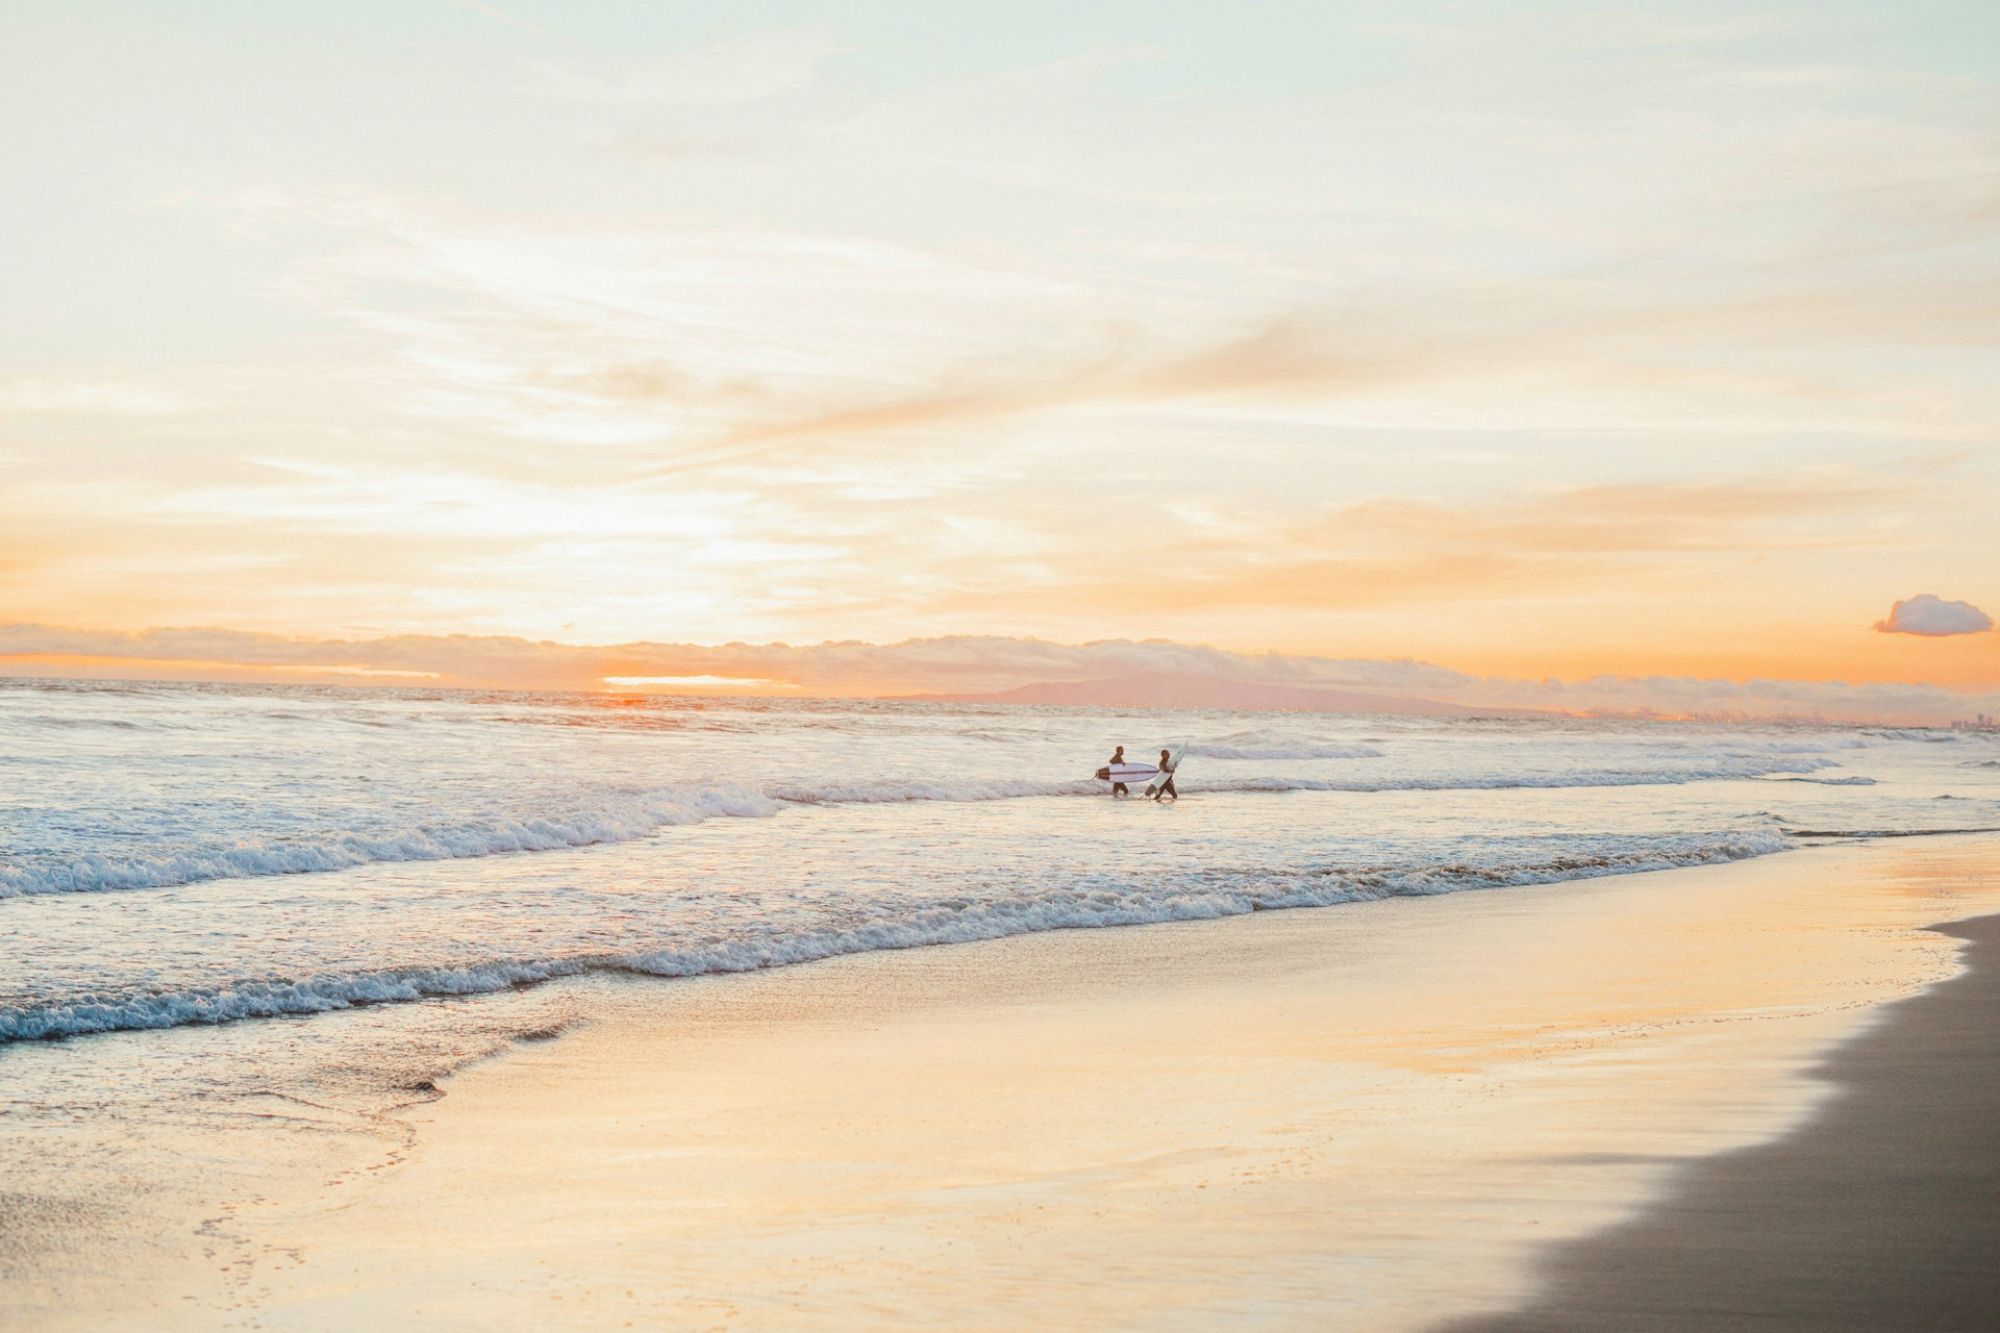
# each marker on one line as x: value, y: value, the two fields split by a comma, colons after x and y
x: 217, y: 900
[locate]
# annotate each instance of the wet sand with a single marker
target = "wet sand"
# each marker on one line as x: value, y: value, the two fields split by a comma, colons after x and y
x: 1378, y: 1116
x: 1881, y: 1214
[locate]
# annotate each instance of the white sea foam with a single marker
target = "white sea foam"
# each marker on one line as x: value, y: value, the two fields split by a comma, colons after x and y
x: 624, y: 817
x: 1868, y: 833
x: 1852, y: 780
x: 614, y: 821
x: 1797, y: 747
x: 1106, y: 902
x: 1711, y: 769
x: 895, y: 790
x: 1279, y: 753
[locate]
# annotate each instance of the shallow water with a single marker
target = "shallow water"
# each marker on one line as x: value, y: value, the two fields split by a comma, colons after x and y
x: 227, y: 899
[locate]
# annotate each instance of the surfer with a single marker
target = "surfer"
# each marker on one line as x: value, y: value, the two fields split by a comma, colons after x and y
x: 1165, y: 786
x: 1117, y: 758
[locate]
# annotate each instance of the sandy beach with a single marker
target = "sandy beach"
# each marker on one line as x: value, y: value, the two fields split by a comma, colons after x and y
x: 1379, y: 1116
x: 1882, y: 1213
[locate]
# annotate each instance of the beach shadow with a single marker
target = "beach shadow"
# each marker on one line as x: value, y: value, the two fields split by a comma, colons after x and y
x: 1881, y: 1213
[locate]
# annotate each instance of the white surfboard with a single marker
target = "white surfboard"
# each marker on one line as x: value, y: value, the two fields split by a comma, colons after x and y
x: 1173, y: 771
x: 1127, y: 773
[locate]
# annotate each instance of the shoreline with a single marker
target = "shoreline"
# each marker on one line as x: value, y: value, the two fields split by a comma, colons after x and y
x: 1378, y: 1117
x: 1881, y: 1213
x: 1386, y: 1116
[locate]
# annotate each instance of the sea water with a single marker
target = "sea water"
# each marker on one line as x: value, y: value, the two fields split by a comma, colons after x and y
x: 214, y: 896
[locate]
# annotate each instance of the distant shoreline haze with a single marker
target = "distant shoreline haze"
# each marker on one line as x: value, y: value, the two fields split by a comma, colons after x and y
x: 1117, y: 673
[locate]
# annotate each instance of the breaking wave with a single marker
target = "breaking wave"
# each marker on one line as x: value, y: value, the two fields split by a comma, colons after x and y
x: 1098, y: 903
x: 630, y: 816
x: 1798, y: 747
x: 1282, y: 752
x: 617, y: 821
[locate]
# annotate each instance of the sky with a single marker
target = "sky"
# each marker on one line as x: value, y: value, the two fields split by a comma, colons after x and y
x: 1523, y: 343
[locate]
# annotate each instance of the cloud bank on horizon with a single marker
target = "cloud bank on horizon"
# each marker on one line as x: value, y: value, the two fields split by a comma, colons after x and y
x: 1561, y: 340
x: 962, y: 666
x: 1932, y: 616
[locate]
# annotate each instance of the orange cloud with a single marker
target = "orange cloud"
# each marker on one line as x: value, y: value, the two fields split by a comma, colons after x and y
x: 1388, y: 552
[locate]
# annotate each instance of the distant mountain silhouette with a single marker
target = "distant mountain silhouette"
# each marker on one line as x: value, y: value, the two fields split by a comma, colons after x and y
x: 1198, y: 691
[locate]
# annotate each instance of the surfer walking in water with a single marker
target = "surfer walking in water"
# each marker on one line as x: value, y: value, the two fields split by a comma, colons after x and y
x: 1165, y: 786
x: 1117, y: 758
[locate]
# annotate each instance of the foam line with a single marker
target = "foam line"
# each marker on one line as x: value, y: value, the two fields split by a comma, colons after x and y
x: 1197, y: 896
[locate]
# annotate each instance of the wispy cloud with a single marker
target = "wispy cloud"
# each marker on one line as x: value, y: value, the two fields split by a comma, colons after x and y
x: 1392, y: 552
x: 1361, y: 339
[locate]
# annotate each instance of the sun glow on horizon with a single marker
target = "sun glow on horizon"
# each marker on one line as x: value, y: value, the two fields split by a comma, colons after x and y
x: 745, y: 683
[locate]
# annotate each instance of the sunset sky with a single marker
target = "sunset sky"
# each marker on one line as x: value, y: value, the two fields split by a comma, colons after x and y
x: 1522, y: 340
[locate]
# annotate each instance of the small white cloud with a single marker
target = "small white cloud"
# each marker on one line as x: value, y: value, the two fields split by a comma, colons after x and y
x: 1925, y: 614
